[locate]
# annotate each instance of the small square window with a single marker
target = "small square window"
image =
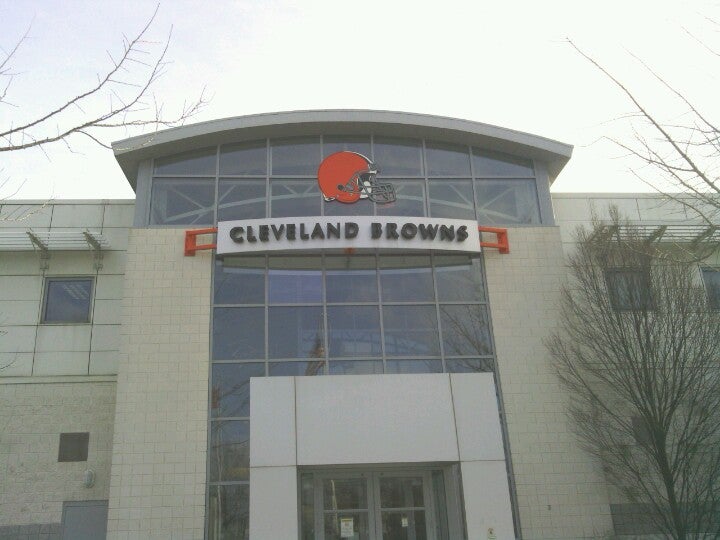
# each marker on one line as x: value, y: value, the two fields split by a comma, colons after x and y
x: 67, y: 300
x: 629, y: 289
x: 711, y: 278
x: 73, y: 447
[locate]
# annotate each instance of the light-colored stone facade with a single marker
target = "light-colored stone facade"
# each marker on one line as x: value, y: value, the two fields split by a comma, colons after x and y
x: 560, y: 491
x: 33, y: 485
x: 157, y: 488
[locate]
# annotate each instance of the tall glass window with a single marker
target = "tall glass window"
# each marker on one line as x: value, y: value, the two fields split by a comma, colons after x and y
x: 331, y: 314
x: 278, y: 178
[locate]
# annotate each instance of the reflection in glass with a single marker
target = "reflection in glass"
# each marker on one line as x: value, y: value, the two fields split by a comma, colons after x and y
x: 240, y: 280
x: 294, y: 280
x: 459, y: 278
x: 229, y: 512
x: 245, y: 158
x: 407, y: 525
x: 68, y: 300
x: 182, y: 201
x: 291, y: 198
x: 413, y: 366
x: 230, y: 394
x: 506, y: 202
x: 197, y: 162
x: 452, y: 199
x: 340, y: 143
x: 486, y: 163
x: 241, y: 199
x: 401, y: 492
x: 295, y: 156
x: 345, y: 494
x: 351, y: 279
x: 296, y: 369
x: 229, y: 452
x: 363, y: 207
x: 307, y: 507
x: 411, y: 331
x: 238, y: 333
x: 296, y: 332
x: 447, y: 159
x: 398, y: 157
x: 355, y: 367
x: 410, y: 199
x: 354, y: 331
x: 469, y: 365
x: 406, y: 279
x: 711, y: 279
x: 465, y: 329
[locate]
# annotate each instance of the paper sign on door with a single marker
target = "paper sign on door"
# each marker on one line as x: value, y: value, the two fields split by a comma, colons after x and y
x: 347, y: 530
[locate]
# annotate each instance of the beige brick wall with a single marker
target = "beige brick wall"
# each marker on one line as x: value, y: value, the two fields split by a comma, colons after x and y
x: 157, y: 487
x: 561, y: 492
x: 33, y: 485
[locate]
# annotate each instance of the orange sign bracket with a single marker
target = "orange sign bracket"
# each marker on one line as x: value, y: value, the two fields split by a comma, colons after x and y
x: 502, y: 244
x: 191, y: 245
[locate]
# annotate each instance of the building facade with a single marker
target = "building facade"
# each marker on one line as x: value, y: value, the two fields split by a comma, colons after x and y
x: 328, y: 369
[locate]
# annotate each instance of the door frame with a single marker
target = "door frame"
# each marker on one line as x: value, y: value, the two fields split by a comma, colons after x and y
x: 372, y: 474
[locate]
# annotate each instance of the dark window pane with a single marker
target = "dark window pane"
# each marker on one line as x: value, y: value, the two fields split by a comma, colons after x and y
x: 238, y: 333
x: 296, y: 156
x: 307, y: 507
x: 506, y: 202
x: 452, y: 199
x: 487, y: 163
x: 469, y: 365
x: 401, y: 492
x: 240, y: 280
x: 398, y: 157
x: 409, y: 199
x: 711, y: 278
x: 229, y: 450
x: 197, y: 162
x: 406, y: 279
x: 345, y: 494
x: 294, y: 280
x: 459, y: 278
x: 413, y: 366
x: 355, y: 367
x: 411, y: 331
x: 296, y: 332
x: 182, y: 201
x: 398, y: 525
x: 231, y: 388
x: 73, y: 447
x: 296, y: 369
x: 245, y: 158
x: 362, y: 207
x: 629, y: 289
x: 229, y: 512
x: 351, y: 279
x: 241, y: 199
x: 290, y: 198
x: 68, y: 300
x: 466, y: 330
x: 335, y: 143
x: 354, y: 331
x: 447, y: 159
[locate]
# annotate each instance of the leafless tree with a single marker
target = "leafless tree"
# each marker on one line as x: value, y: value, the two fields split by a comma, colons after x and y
x: 639, y: 352
x: 682, y: 155
x: 121, y: 97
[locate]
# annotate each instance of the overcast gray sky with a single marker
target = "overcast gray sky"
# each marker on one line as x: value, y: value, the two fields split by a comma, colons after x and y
x: 499, y: 62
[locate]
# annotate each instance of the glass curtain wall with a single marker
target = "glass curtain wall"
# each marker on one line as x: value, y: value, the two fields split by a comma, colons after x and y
x: 277, y: 178
x: 329, y: 315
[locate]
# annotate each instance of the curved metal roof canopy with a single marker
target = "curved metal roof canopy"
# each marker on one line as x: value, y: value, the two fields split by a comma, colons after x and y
x: 130, y: 152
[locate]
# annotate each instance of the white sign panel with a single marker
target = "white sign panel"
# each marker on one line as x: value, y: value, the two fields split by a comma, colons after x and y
x: 347, y: 232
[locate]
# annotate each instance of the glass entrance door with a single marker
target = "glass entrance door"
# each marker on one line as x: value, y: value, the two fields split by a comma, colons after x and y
x: 373, y: 505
